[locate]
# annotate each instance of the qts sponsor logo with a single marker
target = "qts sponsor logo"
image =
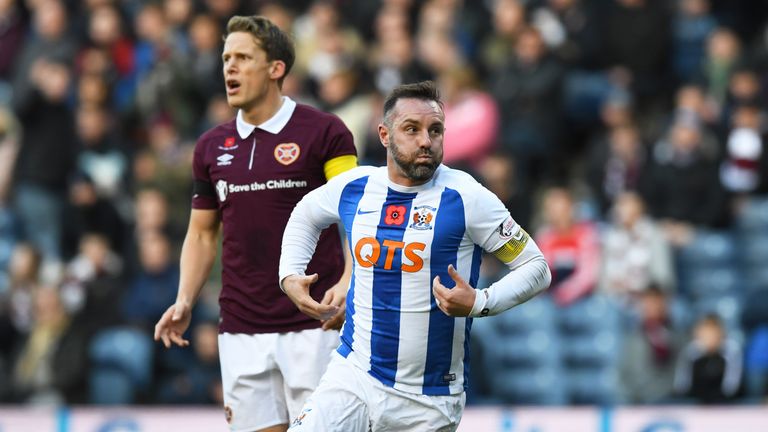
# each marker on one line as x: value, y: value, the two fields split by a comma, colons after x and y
x: 369, y: 253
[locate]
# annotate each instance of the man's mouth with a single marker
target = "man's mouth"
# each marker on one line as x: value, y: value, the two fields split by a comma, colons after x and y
x: 233, y: 86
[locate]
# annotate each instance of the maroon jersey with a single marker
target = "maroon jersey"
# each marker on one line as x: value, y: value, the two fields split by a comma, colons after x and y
x: 254, y: 176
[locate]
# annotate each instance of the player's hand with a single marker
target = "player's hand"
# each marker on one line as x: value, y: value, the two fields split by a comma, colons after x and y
x: 297, y: 289
x: 172, y: 325
x: 336, y: 296
x: 456, y: 301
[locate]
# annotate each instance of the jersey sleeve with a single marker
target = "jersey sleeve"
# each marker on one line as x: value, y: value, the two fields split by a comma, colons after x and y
x: 489, y: 224
x: 492, y: 227
x: 316, y: 211
x: 204, y: 194
x: 338, y: 141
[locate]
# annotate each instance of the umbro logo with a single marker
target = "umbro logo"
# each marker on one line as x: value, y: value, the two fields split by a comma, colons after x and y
x: 225, y: 159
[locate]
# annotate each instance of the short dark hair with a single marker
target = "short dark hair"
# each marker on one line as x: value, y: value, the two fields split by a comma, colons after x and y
x: 426, y: 90
x: 276, y: 43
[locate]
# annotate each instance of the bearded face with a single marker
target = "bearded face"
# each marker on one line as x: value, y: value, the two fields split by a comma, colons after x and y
x: 418, y: 165
x: 413, y: 134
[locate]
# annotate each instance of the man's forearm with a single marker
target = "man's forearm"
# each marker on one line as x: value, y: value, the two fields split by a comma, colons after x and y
x: 299, y: 242
x: 197, y: 257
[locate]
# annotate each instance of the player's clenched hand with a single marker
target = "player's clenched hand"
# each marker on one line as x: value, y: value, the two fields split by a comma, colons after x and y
x: 297, y: 289
x: 173, y: 324
x: 336, y: 296
x: 456, y: 301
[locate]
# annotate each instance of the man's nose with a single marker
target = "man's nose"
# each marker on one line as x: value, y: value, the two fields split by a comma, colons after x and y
x: 424, y: 140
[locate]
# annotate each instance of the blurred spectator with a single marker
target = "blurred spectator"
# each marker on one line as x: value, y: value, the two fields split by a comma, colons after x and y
x: 154, y: 285
x: 341, y: 94
x: 723, y: 54
x: 617, y: 164
x: 101, y: 158
x: 636, y: 39
x: 709, y: 369
x: 323, y: 43
x: 692, y: 105
x: 571, y: 248
x: 393, y: 60
x: 12, y: 32
x: 151, y: 214
x: 50, y: 42
x: 51, y: 364
x: 744, y: 88
x: 745, y: 152
x: 651, y: 346
x: 684, y: 190
x: 691, y: 27
x: 498, y: 172
x: 48, y: 156
x: 206, y: 66
x: 635, y: 253
x: 107, y: 37
x: 9, y: 147
x: 164, y: 166
x: 93, y: 285
x: 527, y: 89
x: 164, y: 79
x: 473, y: 116
x: 178, y: 13
x: 568, y: 28
x: 23, y: 278
x: 90, y: 212
x: 509, y: 21
x: 92, y: 88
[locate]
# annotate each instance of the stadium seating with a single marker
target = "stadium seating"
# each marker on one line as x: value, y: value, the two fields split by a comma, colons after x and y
x: 518, y: 345
x: 121, y: 360
x: 754, y: 215
x: 709, y: 248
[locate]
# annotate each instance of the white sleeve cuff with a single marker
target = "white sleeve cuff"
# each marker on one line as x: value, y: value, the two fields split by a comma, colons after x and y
x: 479, y: 309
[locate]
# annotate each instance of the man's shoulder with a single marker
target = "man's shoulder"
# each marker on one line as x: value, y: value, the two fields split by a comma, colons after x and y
x: 309, y: 114
x: 352, y: 175
x: 459, y: 180
x: 221, y: 131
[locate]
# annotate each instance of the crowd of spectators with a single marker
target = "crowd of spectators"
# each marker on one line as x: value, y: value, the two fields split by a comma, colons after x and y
x: 629, y: 136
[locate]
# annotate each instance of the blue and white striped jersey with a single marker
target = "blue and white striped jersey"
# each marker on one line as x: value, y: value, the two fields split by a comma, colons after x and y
x: 401, y: 238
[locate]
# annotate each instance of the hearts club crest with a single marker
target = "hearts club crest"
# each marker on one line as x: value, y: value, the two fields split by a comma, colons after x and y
x: 287, y: 153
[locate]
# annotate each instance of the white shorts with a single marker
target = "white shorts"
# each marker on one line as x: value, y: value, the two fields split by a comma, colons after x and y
x: 350, y: 400
x: 267, y: 377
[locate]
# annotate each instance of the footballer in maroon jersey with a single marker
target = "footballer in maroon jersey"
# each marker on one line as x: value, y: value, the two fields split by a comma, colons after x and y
x: 249, y: 173
x: 255, y: 176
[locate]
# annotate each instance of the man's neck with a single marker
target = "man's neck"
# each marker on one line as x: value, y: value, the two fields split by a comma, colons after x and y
x: 264, y: 109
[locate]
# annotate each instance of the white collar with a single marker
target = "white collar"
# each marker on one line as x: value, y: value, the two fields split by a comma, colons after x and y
x: 274, y: 125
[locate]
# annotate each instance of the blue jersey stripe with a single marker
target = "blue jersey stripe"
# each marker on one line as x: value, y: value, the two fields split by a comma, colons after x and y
x: 348, y: 202
x: 477, y: 257
x: 387, y: 283
x: 449, y: 231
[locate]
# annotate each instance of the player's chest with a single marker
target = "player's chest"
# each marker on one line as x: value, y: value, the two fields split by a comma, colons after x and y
x: 402, y: 230
x: 256, y: 164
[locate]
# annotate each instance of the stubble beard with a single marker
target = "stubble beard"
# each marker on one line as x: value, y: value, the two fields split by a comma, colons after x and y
x: 418, y: 172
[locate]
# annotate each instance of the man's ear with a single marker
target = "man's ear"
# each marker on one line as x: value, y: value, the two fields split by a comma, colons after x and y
x: 276, y: 69
x: 383, y: 135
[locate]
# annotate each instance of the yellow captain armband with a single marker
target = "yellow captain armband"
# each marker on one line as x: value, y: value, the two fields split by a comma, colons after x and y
x: 338, y: 165
x: 513, y: 248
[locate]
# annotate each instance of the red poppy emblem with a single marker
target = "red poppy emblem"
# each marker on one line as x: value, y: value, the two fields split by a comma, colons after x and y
x: 395, y: 215
x: 287, y: 153
x: 229, y: 142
